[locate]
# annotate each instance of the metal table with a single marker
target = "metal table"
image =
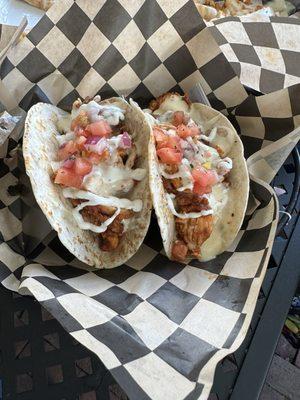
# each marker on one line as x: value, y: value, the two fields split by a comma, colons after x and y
x: 39, y: 360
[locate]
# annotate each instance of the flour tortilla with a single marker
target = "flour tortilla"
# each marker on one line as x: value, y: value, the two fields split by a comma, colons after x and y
x: 40, y: 149
x: 42, y: 4
x: 228, y: 224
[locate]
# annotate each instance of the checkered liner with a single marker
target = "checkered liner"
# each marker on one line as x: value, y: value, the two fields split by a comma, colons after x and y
x: 160, y: 327
x: 264, y: 51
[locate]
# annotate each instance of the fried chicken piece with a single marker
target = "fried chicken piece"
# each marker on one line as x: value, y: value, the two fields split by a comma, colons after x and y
x: 191, y: 202
x: 155, y: 104
x: 106, y: 210
x: 109, y: 242
x: 171, y: 184
x: 176, y: 182
x: 179, y: 250
x: 125, y: 214
x: 171, y: 168
x: 82, y: 120
x: 93, y: 215
x: 169, y: 188
x: 75, y: 202
x: 96, y: 215
x: 194, y: 232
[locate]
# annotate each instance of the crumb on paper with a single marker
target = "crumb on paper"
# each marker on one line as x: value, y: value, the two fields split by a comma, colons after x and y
x: 7, y: 125
x: 210, y: 9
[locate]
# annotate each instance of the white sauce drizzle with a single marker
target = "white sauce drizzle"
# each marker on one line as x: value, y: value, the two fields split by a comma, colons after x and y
x: 112, y: 114
x: 188, y: 186
x: 65, y: 138
x: 224, y: 166
x: 110, y: 180
x: 87, y: 225
x: 94, y: 200
x: 202, y: 213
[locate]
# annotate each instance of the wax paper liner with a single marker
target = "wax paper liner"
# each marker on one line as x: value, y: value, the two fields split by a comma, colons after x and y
x: 263, y: 51
x: 160, y: 327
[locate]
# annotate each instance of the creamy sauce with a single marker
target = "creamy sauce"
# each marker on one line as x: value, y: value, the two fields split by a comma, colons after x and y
x: 95, y: 111
x: 224, y: 165
x: 203, y: 153
x: 135, y: 205
x: 187, y: 186
x: 94, y: 200
x: 110, y: 180
x: 217, y: 198
x: 87, y: 225
x: 221, y: 136
x: 172, y: 103
x: 170, y: 198
x: 149, y: 117
x: 166, y: 117
x: 55, y: 165
x: 65, y: 137
x: 111, y: 144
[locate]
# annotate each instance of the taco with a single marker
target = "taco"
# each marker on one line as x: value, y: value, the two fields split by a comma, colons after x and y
x: 89, y: 174
x: 198, y: 178
x: 210, y: 9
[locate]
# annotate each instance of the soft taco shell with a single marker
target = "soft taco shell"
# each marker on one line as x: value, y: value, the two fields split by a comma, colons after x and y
x: 231, y: 217
x: 40, y: 149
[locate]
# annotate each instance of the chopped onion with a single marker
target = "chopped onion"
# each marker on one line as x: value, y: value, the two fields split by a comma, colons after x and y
x: 92, y: 139
x: 125, y: 142
x: 224, y: 166
x: 99, y: 147
x: 69, y: 163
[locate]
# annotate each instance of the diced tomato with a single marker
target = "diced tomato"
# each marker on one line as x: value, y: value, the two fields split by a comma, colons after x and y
x: 183, y: 131
x: 173, y: 142
x: 66, y: 150
x: 200, y: 189
x: 68, y: 177
x: 80, y: 142
x: 95, y: 158
x: 99, y: 128
x: 178, y: 118
x: 81, y: 132
x: 82, y: 166
x: 204, y: 177
x: 169, y: 156
x: 163, y: 140
x: 69, y: 163
x: 186, y: 131
x: 160, y: 138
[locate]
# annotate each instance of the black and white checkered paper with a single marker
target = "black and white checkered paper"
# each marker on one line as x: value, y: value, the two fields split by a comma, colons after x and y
x: 264, y: 51
x: 159, y: 326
